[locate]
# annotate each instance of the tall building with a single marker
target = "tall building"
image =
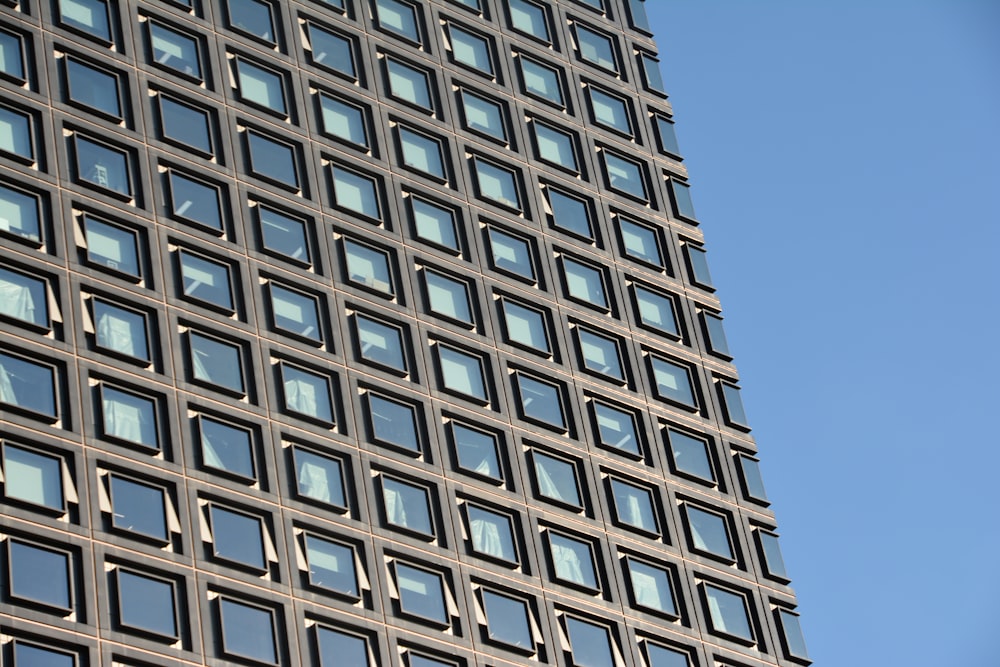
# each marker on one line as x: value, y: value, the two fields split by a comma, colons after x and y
x: 364, y: 332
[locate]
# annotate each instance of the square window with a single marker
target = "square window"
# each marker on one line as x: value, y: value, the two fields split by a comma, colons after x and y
x: 28, y: 386
x: 30, y: 655
x: 400, y: 18
x: 410, y: 84
x: 656, y: 311
x: 698, y: 266
x: 556, y: 479
x: 680, y: 195
x: 792, y: 637
x: 17, y: 134
x: 529, y: 18
x: 477, y: 452
x: 596, y: 48
x: 129, y: 417
x: 121, y: 331
x: 369, y: 267
x: 448, y: 297
x: 332, y: 50
x: 525, y: 326
x: 634, y: 506
x: 483, y: 115
x: 40, y: 575
x: 728, y: 613
x: 666, y: 137
x: 715, y: 335
x: 248, y: 631
x: 640, y: 242
x: 185, y: 124
x: 394, y: 423
x: 356, y: 192
x: 511, y: 253
x: 175, y: 50
x: 708, y: 532
x: 344, y: 121
x: 284, y: 235
x: 462, y: 373
x: 147, y: 604
x: 237, y: 537
x: 216, y: 363
x: 689, y: 456
x: 206, y: 281
x: 601, y: 354
x: 381, y: 343
x: 508, y: 620
x: 555, y: 146
x: 732, y: 405
x: 421, y: 593
x: 332, y: 566
x: 253, y: 18
x: 12, y: 56
x: 471, y: 50
x: 341, y: 648
x: 20, y: 214
x: 307, y: 394
x: 138, y: 508
x: 319, y: 478
x: 33, y: 477
x: 24, y: 298
x: 103, y: 166
x: 87, y: 16
x: 774, y: 563
x: 95, y: 88
x: 491, y: 533
x: 274, y: 160
x: 568, y: 212
x: 610, y: 111
x: 585, y: 283
x: 652, y: 587
x: 541, y: 401
x: 652, y: 79
x: 673, y: 382
x: 261, y: 86
x: 434, y: 224
x: 496, y: 183
x: 625, y: 176
x: 422, y: 153
x: 617, y: 428
x: 592, y: 645
x: 113, y: 247
x: 573, y: 561
x: 661, y: 656
x: 753, y: 481
x: 197, y: 201
x: 295, y: 312
x: 226, y: 447
x: 408, y: 506
x: 541, y: 81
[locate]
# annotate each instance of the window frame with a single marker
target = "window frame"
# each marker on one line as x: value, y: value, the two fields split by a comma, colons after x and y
x: 210, y: 147
x: 614, y: 650
x: 10, y: 194
x: 379, y: 215
x: 691, y: 512
x: 104, y: 429
x: 451, y: 30
x: 690, y: 400
x: 677, y: 468
x: 238, y: 347
x: 579, y: 44
x: 138, y: 247
x: 274, y: 25
x: 430, y: 506
x: 55, y: 373
x: 454, y: 231
x: 606, y: 305
x: 318, y: 313
x: 555, y: 98
x: 167, y: 508
x: 512, y: 525
x: 438, y: 146
x: 128, y: 165
x: 445, y: 590
x: 669, y: 300
x: 628, y: 132
x: 363, y: 117
x: 226, y: 650
x: 222, y: 203
x: 222, y: 555
x: 658, y: 238
x: 620, y: 354
x: 559, y: 389
x: 318, y: 60
x: 69, y: 557
x: 481, y: 397
x: 544, y: 320
x: 61, y: 475
x: 22, y: 51
x: 577, y: 506
x: 197, y: 73
x: 499, y: 451
x: 594, y: 572
x: 230, y: 309
x: 417, y: 449
x: 669, y: 577
x: 240, y: 63
x: 305, y: 223
x: 658, y: 531
x: 641, y: 172
x: 262, y: 169
x: 370, y: 284
x: 174, y: 600
x: 429, y: 80
x: 453, y: 314
x: 530, y: 248
x: 332, y: 399
x: 715, y: 622
x: 247, y: 470
x: 530, y: 622
x: 106, y: 38
x: 638, y: 432
x: 356, y: 574
x: 388, y: 328
x: 546, y: 16
x: 549, y: 143
x: 418, y: 35
x: 504, y: 134
x: 147, y: 358
x: 39, y: 297
x: 516, y: 205
x: 32, y: 140
x: 297, y: 470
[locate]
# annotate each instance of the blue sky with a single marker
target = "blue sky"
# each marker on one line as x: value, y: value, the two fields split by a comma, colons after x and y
x: 845, y: 166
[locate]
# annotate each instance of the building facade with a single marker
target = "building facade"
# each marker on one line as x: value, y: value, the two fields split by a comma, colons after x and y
x: 364, y: 332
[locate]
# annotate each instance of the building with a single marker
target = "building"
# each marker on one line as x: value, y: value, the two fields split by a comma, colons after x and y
x: 364, y: 332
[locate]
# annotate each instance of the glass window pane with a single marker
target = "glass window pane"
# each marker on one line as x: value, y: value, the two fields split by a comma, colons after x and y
x: 656, y: 310
x: 591, y: 643
x: 146, y: 603
x: 422, y: 153
x: 541, y: 81
x: 340, y: 648
x: 568, y: 212
x: 709, y: 532
x: 33, y: 477
x: 716, y: 334
x: 344, y: 121
x: 634, y: 506
x: 283, y: 234
x: 673, y: 382
x: 409, y: 84
x: 661, y: 656
x: 421, y: 593
x: 541, y: 401
x: 525, y: 326
x: 16, y: 133
x: 651, y: 587
x: 652, y: 78
x: 261, y: 86
x: 483, y: 115
x: 248, y: 631
x: 414, y: 660
x: 206, y: 280
x: 331, y: 566
x: 19, y: 214
x: 774, y: 563
x: 584, y: 282
x: 698, y: 261
x: 28, y: 385
x: 600, y: 354
x: 186, y: 124
x: 129, y: 417
x: 11, y: 55
x: 102, y: 165
x: 690, y: 455
x: 610, y: 111
x: 368, y: 266
x: 625, y: 176
x: 217, y: 362
x: 507, y: 620
x: 393, y: 422
x: 24, y: 298
x: 273, y: 159
x: 226, y: 447
x: 597, y: 49
x: 175, y: 50
x: 356, y: 192
x: 795, y: 641
x: 114, y: 247
x: 683, y: 205
x: 733, y: 404
x: 529, y: 17
x: 407, y: 506
x: 640, y: 242
x: 90, y: 16
x: 491, y: 533
x: 470, y: 49
x: 238, y: 537
x: 556, y: 479
x: 728, y: 612
x: 476, y: 451
x: 462, y: 373
x: 332, y: 50
x: 511, y: 253
x: 319, y: 478
x: 138, y: 507
x: 555, y: 146
x: 398, y: 17
x: 38, y: 574
x: 196, y: 200
x: 497, y: 183
x: 433, y: 223
x: 29, y: 655
x: 295, y: 312
x: 448, y: 297
x: 252, y: 17
x: 616, y: 428
x: 380, y: 343
x: 120, y: 330
x: 667, y: 136
x: 307, y: 393
x: 752, y: 479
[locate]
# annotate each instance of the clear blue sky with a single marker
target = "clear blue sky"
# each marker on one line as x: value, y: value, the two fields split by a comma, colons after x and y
x: 845, y: 165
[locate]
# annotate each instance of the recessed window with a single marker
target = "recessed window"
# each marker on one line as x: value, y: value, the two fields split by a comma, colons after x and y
x: 196, y: 201
x: 680, y: 194
x: 87, y: 16
x: 601, y: 354
x: 237, y: 537
x: 774, y: 563
x: 508, y: 620
x: 652, y: 78
x: 307, y: 394
x: 39, y: 575
x: 652, y: 586
x: 525, y: 326
x: 617, y: 428
x: 93, y: 87
x: 715, y: 335
x: 332, y: 50
x: 175, y: 50
x: 381, y: 343
x: 32, y: 655
x: 596, y: 48
x: 20, y: 214
x: 401, y: 18
x: 121, y: 330
x: 394, y: 423
x: 512, y: 254
x: 673, y: 382
x: 12, y: 56
x: 573, y: 560
x: 261, y: 86
x: 332, y: 566
x: 792, y: 637
x: 593, y: 4
x: 584, y: 282
x: 610, y: 111
x: 592, y: 645
x: 556, y: 479
x: 690, y: 456
x: 284, y: 235
x: 540, y: 401
x: 344, y: 121
x: 497, y: 183
x: 640, y: 21
x: 24, y: 298
x: 17, y: 134
x: 407, y: 506
x: 530, y: 18
x: 112, y: 247
x: 410, y: 84
x: 138, y: 508
x: 248, y: 631
x: 656, y: 311
x: 634, y: 506
x: 640, y: 242
x: 33, y: 477
x: 341, y: 648
x: 472, y: 50
x: 661, y: 656
x: 423, y: 153
x: 273, y: 159
x: 434, y: 224
x: 369, y: 267
x: 483, y: 115
x: 477, y: 452
x: 728, y: 613
x: 753, y: 481
x: 448, y: 297
x: 555, y: 146
x: 226, y: 447
x: 698, y: 266
x: 147, y: 604
x: 666, y: 136
x: 206, y: 280
x: 462, y: 373
x: 28, y: 386
x: 217, y: 363
x: 102, y: 165
x: 708, y: 532
x: 491, y: 533
x: 186, y: 124
x: 254, y: 18
x: 568, y: 212
x: 356, y: 192
x: 129, y: 417
x: 421, y: 593
x: 318, y: 477
x: 732, y: 405
x: 625, y: 176
x: 295, y: 312
x: 541, y: 81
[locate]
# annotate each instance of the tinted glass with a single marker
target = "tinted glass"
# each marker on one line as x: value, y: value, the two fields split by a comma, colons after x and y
x: 717, y: 342
x: 344, y: 121
x: 380, y: 343
x: 600, y: 354
x: 728, y: 612
x: 483, y: 115
x: 584, y: 282
x: 407, y: 506
x: 596, y: 48
x: 610, y: 111
x: 393, y: 422
x: 15, y: 133
x: 120, y: 330
x: 556, y: 479
x: 491, y: 533
x: 27, y: 655
x: 476, y: 451
x: 398, y: 17
x: 284, y: 234
x: 683, y: 205
x: 573, y: 560
x: 507, y: 619
x: 196, y: 200
x: 640, y: 242
x: 274, y: 159
x: 709, y: 532
x: 525, y: 326
x: 448, y: 297
x: 591, y: 643
x: 112, y: 246
x: 634, y: 506
x: 19, y: 214
x: 11, y: 55
x: 33, y: 477
x: 421, y: 153
x: 752, y: 478
x: 773, y: 561
x: 673, y: 382
x: 28, y: 385
x: 356, y: 192
x: 90, y: 16
x: 261, y: 86
x: 138, y: 507
x: 332, y: 50
x: 217, y: 362
x: 186, y: 124
x: 690, y: 455
x: 434, y: 224
x: 129, y: 417
x: 226, y: 447
x: 175, y: 50
x: 733, y: 403
x: 319, y: 477
x: 656, y: 310
x: 206, y: 280
x: 421, y: 593
x: 331, y: 565
x: 409, y: 84
x: 541, y: 401
x: 529, y: 17
x: 616, y: 428
x: 368, y: 266
x: 248, y: 631
x: 295, y: 312
x: 470, y: 49
x: 511, y: 254
x: 795, y: 641
x: 238, y: 537
x: 340, y: 648
x: 39, y: 575
x: 252, y: 17
x: 102, y: 165
x: 625, y: 176
x: 497, y: 184
x: 569, y: 213
x: 462, y: 373
x: 661, y: 656
x: 24, y: 297
x: 651, y: 586
x: 541, y: 81
x: 146, y: 603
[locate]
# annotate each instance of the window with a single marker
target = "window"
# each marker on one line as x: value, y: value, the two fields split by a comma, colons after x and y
x: 380, y: 343
x: 248, y: 631
x: 369, y: 267
x: 237, y: 537
x: 625, y: 176
x: 421, y: 593
x: 206, y: 280
x: 592, y: 644
x: 774, y: 563
x: 196, y: 201
x: 28, y: 386
x: 410, y: 84
x: 253, y: 18
x: 656, y: 311
x: 24, y: 298
x: 273, y: 159
x: 573, y: 560
x: 434, y: 224
x: 689, y: 456
x: 226, y: 447
x: 555, y: 146
x: 307, y: 394
x: 17, y: 134
x: 661, y: 656
x: 332, y: 566
x: 556, y: 479
x: 529, y: 18
x: 217, y: 363
x: 476, y: 452
x: 728, y: 613
x: 129, y: 417
x: 596, y: 48
x: 639, y: 21
x: 715, y: 335
x: 610, y: 111
x: 525, y: 326
x: 448, y: 297
x: 138, y: 508
x: 102, y: 165
x: 344, y: 121
x: 33, y: 477
x: 121, y: 331
x: 508, y: 620
x: 497, y: 183
x: 753, y: 482
x: 471, y: 50
x: 673, y: 382
x: 569, y: 213
x: 295, y: 313
x: 12, y: 56
x: 401, y: 18
x: 791, y: 635
x: 394, y: 423
x: 112, y: 247
x: 709, y: 532
x: 491, y: 533
x: 20, y: 214
x: 511, y: 253
x: 356, y: 192
x: 585, y: 283
x: 732, y: 404
x: 640, y: 242
x: 681, y: 197
x: 540, y: 401
x: 541, y: 81
x: 666, y: 137
x: 185, y: 124
x: 407, y: 506
x: 698, y: 266
x: 341, y: 648
x: 634, y: 506
x: 147, y: 604
x: 87, y: 16
x: 175, y: 51
x: 617, y: 428
x: 30, y: 655
x: 40, y: 575
x: 652, y: 586
x: 333, y: 51
x: 423, y: 153
x: 652, y: 79
x: 462, y: 373
x: 284, y: 235
x: 261, y: 86
x: 593, y: 4
x: 601, y: 354
x: 319, y: 478
x: 483, y: 115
